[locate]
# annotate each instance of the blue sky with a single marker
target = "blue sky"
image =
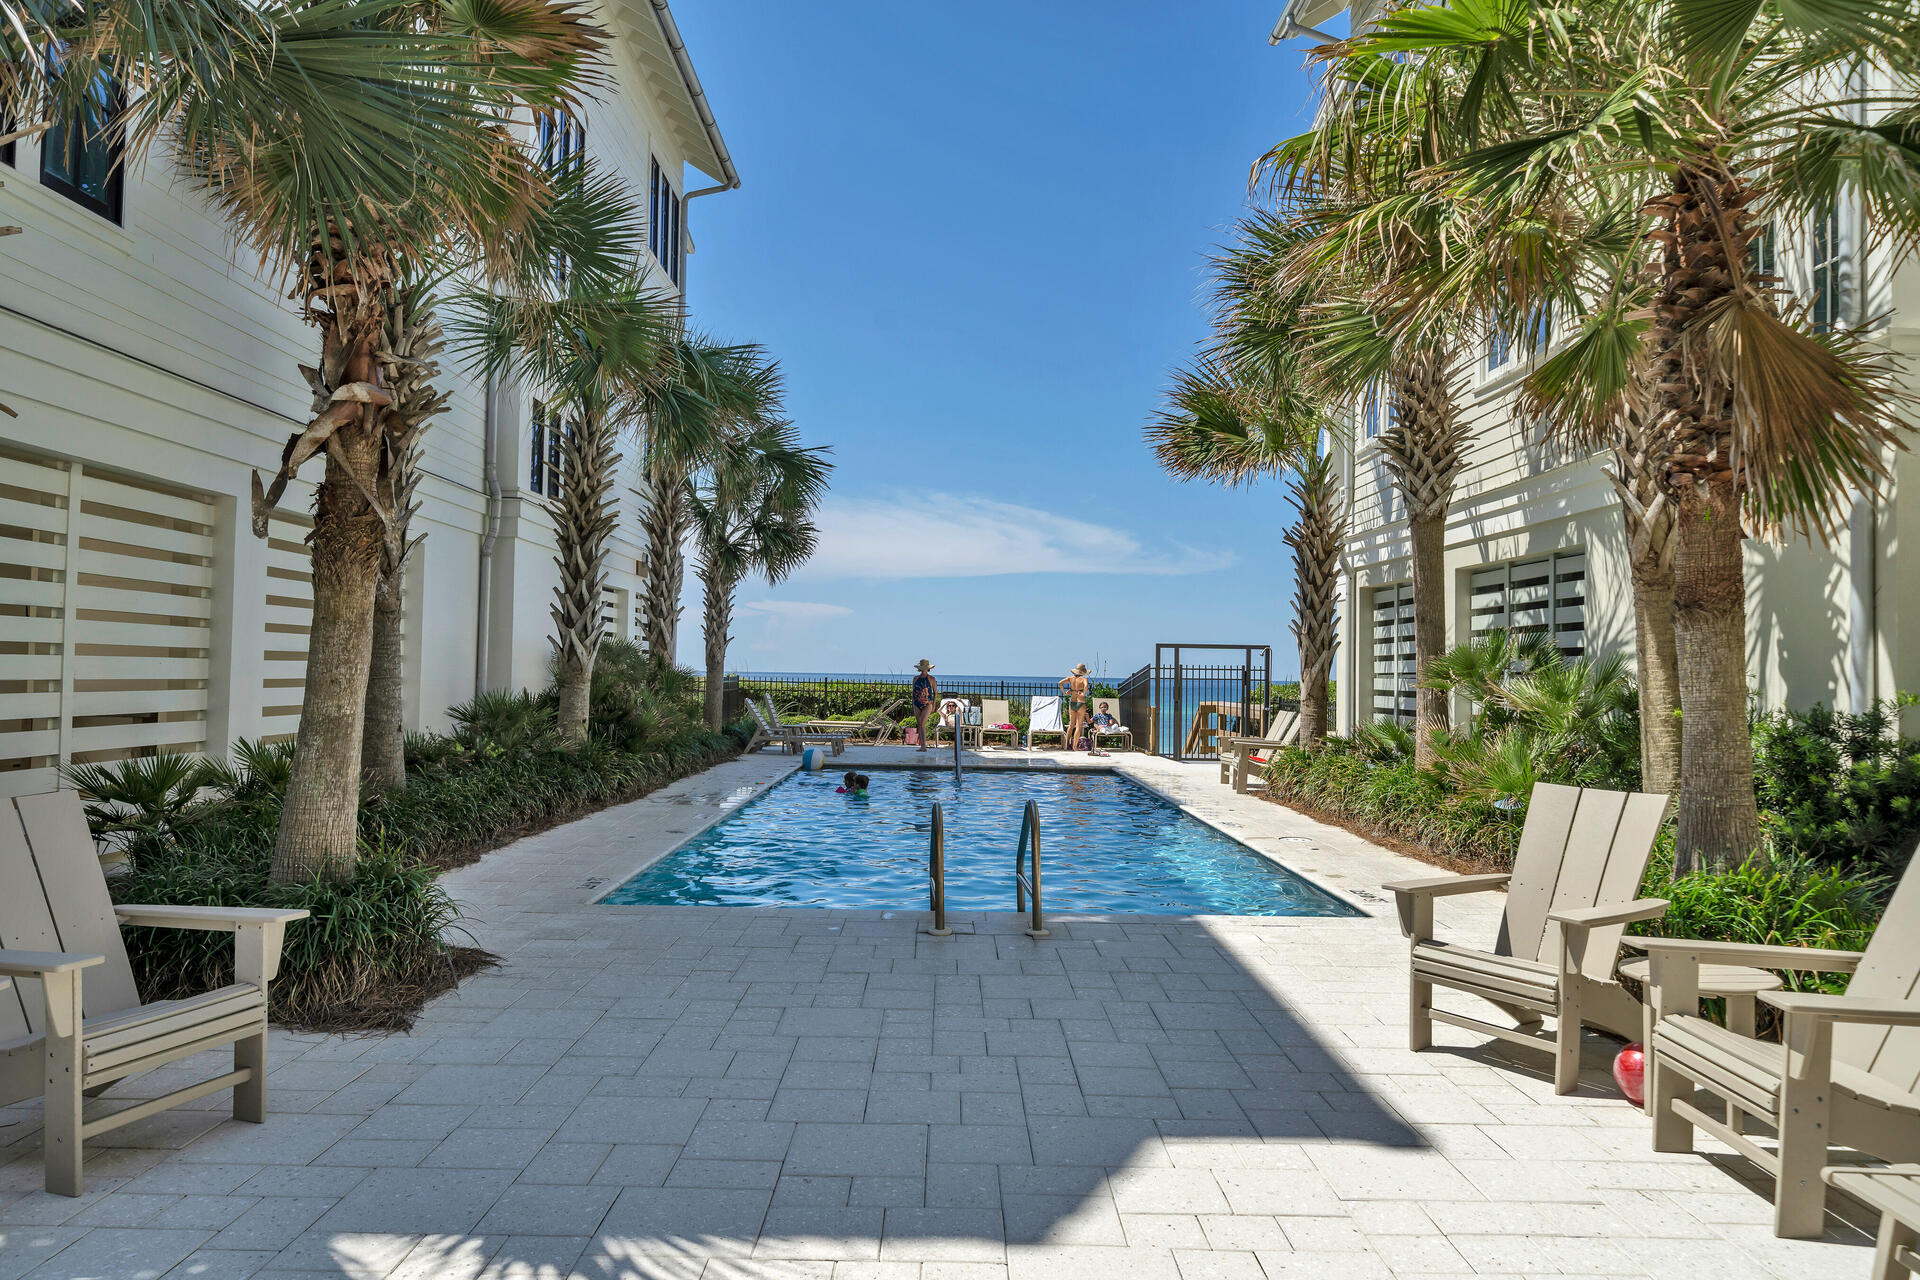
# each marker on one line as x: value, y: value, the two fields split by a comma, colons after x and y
x: 975, y: 237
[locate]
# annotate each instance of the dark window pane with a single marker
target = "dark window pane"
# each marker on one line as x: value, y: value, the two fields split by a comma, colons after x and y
x: 538, y: 436
x: 80, y: 156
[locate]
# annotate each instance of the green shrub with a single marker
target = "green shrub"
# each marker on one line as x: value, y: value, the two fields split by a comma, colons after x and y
x: 1397, y: 801
x: 374, y: 948
x: 1792, y: 902
x: 1841, y: 788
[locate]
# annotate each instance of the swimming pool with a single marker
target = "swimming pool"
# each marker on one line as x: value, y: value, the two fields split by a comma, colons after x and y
x: 1107, y: 845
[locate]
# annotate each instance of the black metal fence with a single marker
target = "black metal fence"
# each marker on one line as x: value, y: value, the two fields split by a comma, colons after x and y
x: 845, y: 696
x: 1200, y: 693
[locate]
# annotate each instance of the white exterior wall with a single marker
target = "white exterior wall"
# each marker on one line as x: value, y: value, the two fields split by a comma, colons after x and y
x: 153, y: 351
x: 1518, y: 499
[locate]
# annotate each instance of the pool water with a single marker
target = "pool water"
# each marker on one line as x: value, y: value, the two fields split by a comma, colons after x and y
x: 1107, y: 846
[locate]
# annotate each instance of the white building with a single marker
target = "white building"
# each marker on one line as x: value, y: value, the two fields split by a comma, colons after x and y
x: 152, y: 370
x: 1535, y: 541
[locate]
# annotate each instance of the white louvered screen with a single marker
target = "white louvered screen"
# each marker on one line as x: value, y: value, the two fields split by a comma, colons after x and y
x: 1541, y: 595
x: 1393, y: 668
x: 613, y: 612
x: 289, y: 620
x: 106, y: 604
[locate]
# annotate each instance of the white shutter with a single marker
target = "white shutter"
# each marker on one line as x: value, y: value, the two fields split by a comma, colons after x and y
x: 106, y: 606
x: 289, y: 595
x: 1392, y: 651
x: 1540, y: 595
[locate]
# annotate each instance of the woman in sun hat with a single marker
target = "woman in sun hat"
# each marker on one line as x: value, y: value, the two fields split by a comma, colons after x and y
x: 1079, y: 704
x: 926, y: 690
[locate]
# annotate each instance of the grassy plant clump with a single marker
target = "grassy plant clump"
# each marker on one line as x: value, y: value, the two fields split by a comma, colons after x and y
x: 373, y: 951
x: 1396, y: 803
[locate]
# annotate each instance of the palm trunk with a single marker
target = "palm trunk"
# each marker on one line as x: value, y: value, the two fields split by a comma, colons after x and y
x: 665, y: 520
x: 1648, y: 518
x: 1316, y: 539
x: 715, y: 628
x: 383, y: 757
x: 1425, y: 450
x: 320, y: 814
x: 410, y: 339
x: 583, y: 520
x: 1719, y: 822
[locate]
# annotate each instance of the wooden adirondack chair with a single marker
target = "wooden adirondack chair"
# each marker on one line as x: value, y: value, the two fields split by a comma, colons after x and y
x: 1846, y: 1075
x: 1236, y: 754
x: 65, y: 1031
x: 1570, y: 896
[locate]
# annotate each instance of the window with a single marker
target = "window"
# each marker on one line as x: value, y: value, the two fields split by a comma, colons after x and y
x: 1371, y: 408
x: 563, y: 142
x: 1537, y: 334
x: 80, y: 157
x: 1541, y: 595
x: 546, y: 439
x: 1763, y: 253
x: 1393, y: 665
x: 1828, y: 272
x: 663, y: 222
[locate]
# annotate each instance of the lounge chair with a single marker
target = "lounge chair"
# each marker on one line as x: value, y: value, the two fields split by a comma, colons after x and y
x: 994, y: 712
x: 878, y: 723
x: 1238, y: 756
x: 937, y: 723
x: 1895, y: 1192
x: 1569, y: 897
x: 1043, y: 716
x: 1847, y: 1073
x: 793, y: 737
x: 65, y: 1031
x: 1119, y: 731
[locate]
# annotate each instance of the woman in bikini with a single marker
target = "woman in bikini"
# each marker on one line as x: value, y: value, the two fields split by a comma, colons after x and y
x: 925, y: 690
x: 1079, y: 704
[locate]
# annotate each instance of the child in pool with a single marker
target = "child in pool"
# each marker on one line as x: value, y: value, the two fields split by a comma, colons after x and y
x: 854, y: 784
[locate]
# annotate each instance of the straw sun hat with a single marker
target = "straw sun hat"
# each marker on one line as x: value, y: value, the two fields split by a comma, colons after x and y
x: 924, y: 665
x: 1080, y: 670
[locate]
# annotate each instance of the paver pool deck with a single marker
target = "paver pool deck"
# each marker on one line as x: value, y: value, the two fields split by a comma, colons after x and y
x: 730, y: 1092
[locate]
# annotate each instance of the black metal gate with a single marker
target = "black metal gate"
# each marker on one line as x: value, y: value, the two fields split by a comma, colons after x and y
x: 1201, y: 692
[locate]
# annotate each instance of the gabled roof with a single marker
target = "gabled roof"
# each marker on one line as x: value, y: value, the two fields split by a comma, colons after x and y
x: 645, y: 28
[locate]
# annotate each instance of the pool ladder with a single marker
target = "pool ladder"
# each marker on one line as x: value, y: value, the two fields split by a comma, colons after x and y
x: 1026, y: 882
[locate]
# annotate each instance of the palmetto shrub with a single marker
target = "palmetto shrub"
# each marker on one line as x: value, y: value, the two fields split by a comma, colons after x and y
x: 1396, y: 801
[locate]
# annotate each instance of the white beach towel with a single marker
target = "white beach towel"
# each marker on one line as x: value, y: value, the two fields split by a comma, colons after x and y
x: 1043, y: 716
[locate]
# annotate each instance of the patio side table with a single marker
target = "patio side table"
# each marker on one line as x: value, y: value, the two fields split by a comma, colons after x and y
x: 1737, y: 984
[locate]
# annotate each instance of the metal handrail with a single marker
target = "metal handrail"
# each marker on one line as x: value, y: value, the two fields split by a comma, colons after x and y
x: 1025, y: 886
x: 937, y: 875
x: 959, y: 732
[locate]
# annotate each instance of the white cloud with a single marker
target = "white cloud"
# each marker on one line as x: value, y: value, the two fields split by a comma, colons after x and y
x: 946, y: 535
x: 795, y: 610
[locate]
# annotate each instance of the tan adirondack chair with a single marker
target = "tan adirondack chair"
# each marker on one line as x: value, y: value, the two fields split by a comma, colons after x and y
x: 1847, y: 1073
x: 993, y: 713
x: 793, y: 737
x: 1570, y: 896
x: 1895, y: 1192
x: 1237, y: 754
x: 74, y: 1022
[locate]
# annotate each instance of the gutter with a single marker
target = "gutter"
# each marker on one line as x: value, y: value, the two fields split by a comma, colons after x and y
x: 1286, y: 28
x: 670, y: 32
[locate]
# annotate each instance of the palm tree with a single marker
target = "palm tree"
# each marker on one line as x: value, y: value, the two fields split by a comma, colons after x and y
x: 706, y: 392
x: 751, y: 516
x: 597, y: 349
x: 342, y: 173
x: 1739, y: 116
x: 585, y: 231
x: 1358, y: 234
x: 1235, y: 424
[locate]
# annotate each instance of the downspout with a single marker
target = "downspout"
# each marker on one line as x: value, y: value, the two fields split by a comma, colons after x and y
x: 1863, y: 614
x: 489, y: 536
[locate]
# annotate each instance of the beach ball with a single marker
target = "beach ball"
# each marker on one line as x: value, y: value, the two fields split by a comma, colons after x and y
x: 1629, y: 1072
x: 814, y: 759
